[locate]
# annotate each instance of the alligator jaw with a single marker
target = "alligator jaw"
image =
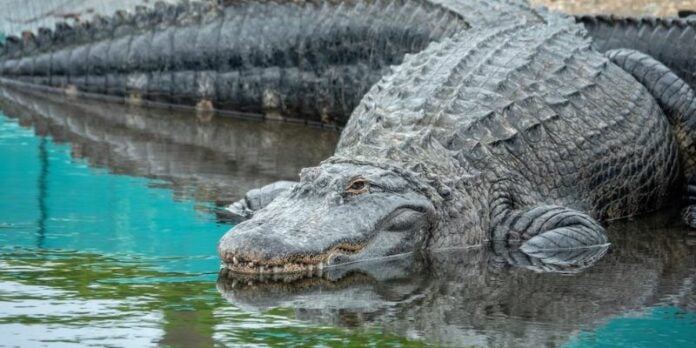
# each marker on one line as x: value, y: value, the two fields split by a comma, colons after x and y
x: 298, y: 264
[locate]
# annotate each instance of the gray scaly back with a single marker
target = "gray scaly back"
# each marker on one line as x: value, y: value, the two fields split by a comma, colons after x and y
x: 528, y: 108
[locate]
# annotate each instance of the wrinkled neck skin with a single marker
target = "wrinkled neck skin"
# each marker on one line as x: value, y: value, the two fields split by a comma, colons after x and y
x: 357, y: 209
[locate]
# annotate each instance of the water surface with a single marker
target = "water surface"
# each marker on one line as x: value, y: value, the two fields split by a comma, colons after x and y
x: 108, y: 235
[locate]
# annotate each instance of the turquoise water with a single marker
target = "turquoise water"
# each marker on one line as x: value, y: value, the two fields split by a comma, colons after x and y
x: 89, y: 257
x: 69, y: 206
x: 662, y: 326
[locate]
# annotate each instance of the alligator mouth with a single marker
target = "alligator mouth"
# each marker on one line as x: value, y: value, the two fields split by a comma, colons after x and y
x: 306, y: 265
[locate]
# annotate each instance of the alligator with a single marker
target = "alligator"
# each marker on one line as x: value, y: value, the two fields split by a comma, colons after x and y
x: 521, y: 132
x: 499, y: 121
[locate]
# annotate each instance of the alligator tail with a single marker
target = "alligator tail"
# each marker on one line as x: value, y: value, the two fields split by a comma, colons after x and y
x: 670, y: 40
x: 310, y: 59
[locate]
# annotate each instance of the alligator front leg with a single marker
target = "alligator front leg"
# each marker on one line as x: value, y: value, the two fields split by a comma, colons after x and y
x: 547, y: 228
x: 256, y: 199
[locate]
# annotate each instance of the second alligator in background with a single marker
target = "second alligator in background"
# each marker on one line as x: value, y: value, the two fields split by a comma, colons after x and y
x: 305, y: 60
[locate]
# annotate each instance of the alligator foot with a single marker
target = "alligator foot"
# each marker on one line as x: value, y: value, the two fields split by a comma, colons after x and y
x: 256, y: 199
x: 549, y: 228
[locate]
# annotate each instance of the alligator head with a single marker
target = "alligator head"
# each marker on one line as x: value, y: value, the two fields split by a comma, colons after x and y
x: 338, y: 213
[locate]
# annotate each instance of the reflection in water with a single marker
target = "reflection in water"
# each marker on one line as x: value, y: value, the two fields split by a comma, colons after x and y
x: 41, y: 194
x: 92, y: 258
x: 495, y: 297
x: 218, y: 159
x: 109, y: 320
x: 481, y: 297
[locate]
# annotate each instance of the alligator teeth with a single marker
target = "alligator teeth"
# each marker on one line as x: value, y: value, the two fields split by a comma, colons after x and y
x: 253, y: 267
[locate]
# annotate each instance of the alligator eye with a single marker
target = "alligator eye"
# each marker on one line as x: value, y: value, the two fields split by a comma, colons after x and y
x: 357, y: 186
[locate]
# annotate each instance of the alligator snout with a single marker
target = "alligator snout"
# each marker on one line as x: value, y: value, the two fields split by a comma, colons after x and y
x: 254, y: 247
